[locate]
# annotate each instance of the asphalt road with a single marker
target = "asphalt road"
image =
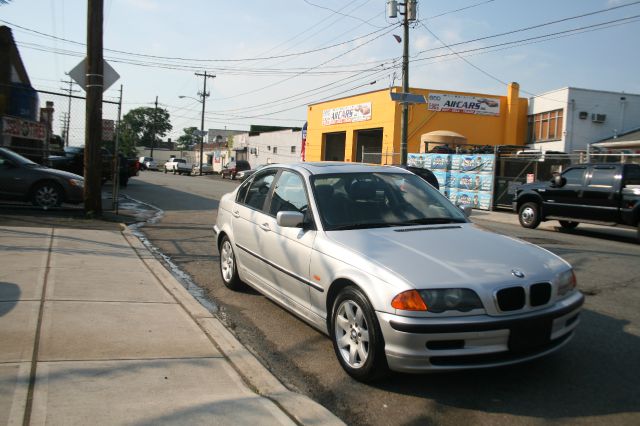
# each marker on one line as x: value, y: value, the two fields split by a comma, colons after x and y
x: 593, y: 380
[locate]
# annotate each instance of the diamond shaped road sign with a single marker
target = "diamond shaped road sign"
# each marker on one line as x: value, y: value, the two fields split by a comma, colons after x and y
x: 78, y: 74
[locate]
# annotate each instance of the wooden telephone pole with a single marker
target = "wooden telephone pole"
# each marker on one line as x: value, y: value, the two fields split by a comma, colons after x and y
x: 93, y: 131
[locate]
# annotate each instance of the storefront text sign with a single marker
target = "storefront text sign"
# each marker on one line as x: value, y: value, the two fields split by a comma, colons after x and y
x: 442, y: 102
x: 19, y: 128
x: 347, y: 114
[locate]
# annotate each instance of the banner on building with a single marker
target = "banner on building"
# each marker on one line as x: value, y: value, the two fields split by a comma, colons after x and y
x: 19, y: 128
x: 444, y: 102
x: 465, y: 179
x: 347, y: 114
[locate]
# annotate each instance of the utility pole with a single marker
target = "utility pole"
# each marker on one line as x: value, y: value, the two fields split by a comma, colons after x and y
x: 116, y: 158
x: 94, y: 85
x: 204, y: 96
x: 409, y: 16
x: 153, y: 123
x: 70, y: 92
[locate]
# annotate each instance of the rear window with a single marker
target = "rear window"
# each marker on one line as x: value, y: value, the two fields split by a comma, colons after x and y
x: 603, y: 177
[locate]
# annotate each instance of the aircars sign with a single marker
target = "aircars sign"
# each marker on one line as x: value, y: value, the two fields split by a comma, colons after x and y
x: 347, y: 114
x: 442, y: 102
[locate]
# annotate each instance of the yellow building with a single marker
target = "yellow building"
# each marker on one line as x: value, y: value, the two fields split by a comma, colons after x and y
x: 344, y: 129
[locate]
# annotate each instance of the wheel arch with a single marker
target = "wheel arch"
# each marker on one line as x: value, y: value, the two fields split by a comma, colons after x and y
x: 529, y: 197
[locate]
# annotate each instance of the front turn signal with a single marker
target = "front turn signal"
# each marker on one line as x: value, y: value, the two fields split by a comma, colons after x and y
x: 409, y: 301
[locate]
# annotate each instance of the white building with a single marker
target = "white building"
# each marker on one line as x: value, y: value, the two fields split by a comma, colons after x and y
x: 282, y: 146
x: 569, y: 119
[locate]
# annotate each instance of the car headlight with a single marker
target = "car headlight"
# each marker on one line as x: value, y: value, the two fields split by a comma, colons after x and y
x: 566, y: 282
x: 438, y: 300
x: 76, y: 182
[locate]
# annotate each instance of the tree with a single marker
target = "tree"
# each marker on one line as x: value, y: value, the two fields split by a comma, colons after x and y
x: 188, y: 139
x: 140, y: 125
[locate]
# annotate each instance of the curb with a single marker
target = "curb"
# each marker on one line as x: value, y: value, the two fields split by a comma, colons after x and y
x: 300, y: 408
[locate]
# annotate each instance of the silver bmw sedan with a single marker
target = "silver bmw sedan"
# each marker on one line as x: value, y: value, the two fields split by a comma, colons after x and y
x: 395, y: 274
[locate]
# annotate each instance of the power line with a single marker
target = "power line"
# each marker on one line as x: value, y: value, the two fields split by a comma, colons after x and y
x: 544, y: 24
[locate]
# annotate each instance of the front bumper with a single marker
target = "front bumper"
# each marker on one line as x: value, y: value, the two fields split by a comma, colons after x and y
x: 439, y: 344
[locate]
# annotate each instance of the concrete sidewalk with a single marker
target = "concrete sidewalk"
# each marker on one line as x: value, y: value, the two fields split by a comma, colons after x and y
x: 95, y: 330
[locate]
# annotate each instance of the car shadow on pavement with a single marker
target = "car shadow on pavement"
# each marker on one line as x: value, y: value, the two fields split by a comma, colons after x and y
x: 572, y: 383
x: 9, y: 297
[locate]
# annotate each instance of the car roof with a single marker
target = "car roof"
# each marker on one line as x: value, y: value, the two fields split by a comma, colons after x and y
x: 333, y: 167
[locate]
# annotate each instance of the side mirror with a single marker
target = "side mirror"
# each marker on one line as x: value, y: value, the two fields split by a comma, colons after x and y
x: 466, y: 209
x: 290, y: 219
x: 558, y: 181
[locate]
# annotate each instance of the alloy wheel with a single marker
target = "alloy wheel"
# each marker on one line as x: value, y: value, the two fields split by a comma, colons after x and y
x: 352, y: 333
x: 227, y: 262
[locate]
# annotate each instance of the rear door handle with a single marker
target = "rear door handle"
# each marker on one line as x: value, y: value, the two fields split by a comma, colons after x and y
x: 265, y: 227
x: 236, y: 213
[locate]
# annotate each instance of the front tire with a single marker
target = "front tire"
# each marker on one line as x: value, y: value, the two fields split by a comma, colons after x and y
x: 47, y: 195
x: 357, y: 339
x: 228, y: 266
x: 567, y: 224
x: 529, y: 215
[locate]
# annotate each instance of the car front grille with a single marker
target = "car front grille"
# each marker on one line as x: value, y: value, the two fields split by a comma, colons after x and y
x: 511, y: 299
x: 539, y: 294
x: 515, y: 298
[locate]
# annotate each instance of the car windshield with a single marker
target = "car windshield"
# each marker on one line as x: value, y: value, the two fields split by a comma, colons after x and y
x: 375, y: 200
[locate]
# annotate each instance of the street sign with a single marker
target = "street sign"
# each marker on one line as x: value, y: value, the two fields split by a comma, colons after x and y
x: 108, y: 129
x: 78, y: 74
x: 408, y: 98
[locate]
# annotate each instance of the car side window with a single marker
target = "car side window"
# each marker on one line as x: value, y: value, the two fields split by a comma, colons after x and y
x: 289, y: 194
x: 259, y: 189
x: 603, y: 177
x: 574, y: 177
x: 242, y: 191
x: 632, y: 176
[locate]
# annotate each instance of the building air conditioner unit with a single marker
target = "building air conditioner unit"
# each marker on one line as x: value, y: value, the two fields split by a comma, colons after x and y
x: 598, y: 118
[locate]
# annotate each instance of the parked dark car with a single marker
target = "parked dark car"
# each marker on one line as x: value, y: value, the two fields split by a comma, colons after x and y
x: 425, y: 174
x: 604, y: 194
x: 73, y: 161
x: 232, y: 168
x: 23, y: 180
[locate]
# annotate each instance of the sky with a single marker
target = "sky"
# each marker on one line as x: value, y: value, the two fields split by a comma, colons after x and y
x: 272, y: 58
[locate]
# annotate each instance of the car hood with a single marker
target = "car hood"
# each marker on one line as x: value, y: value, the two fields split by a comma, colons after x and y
x: 532, y: 186
x: 447, y: 255
x: 60, y: 173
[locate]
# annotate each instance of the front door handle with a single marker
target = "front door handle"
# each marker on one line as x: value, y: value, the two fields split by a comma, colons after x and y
x: 265, y: 227
x: 236, y: 213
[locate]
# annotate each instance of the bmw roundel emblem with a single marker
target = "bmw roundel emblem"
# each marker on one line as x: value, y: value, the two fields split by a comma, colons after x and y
x: 517, y: 273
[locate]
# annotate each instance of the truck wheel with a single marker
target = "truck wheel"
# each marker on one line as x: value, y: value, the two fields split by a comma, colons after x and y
x: 567, y: 224
x: 529, y: 215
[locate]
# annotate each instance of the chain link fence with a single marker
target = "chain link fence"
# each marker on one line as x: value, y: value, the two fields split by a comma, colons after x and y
x: 69, y: 117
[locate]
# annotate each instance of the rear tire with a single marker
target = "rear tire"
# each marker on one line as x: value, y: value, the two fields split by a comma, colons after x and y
x: 228, y: 267
x: 567, y: 224
x: 357, y: 339
x: 529, y: 215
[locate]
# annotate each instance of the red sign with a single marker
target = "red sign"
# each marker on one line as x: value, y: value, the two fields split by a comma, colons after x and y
x: 19, y: 128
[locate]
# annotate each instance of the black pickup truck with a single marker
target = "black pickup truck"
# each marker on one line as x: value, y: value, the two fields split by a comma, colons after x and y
x: 603, y: 194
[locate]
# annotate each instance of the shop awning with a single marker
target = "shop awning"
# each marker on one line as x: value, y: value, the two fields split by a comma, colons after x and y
x: 443, y: 136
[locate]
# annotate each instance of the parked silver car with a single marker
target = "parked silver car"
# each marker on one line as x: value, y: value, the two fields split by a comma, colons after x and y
x: 23, y: 180
x: 394, y: 273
